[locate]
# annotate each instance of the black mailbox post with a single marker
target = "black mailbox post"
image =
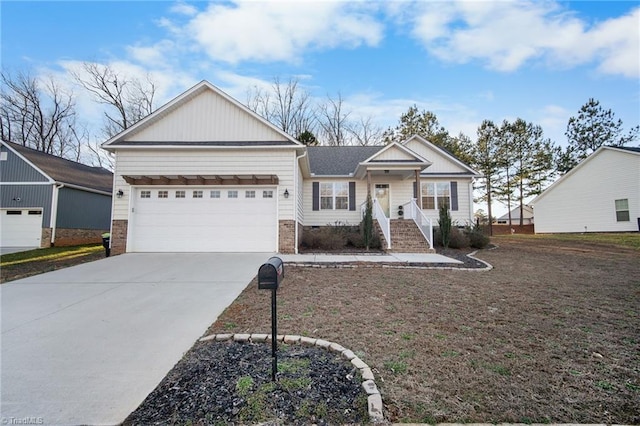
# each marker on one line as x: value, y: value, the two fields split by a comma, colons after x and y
x: 270, y: 275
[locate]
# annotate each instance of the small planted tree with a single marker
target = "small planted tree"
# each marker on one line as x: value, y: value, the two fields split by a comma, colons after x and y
x: 367, y: 224
x: 445, y: 223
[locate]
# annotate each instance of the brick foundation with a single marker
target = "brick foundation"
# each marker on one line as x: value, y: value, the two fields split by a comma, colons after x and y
x: 74, y: 237
x: 119, y: 230
x: 45, y: 238
x: 286, y: 236
x: 300, y: 233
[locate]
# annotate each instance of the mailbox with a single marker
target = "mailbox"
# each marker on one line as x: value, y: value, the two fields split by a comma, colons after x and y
x: 270, y: 274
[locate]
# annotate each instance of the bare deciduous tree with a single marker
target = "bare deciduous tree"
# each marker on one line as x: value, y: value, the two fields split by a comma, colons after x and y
x: 38, y: 114
x: 334, y: 122
x: 287, y: 106
x: 128, y: 99
x: 366, y: 132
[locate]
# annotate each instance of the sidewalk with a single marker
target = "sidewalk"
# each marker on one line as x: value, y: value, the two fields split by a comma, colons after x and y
x: 388, y: 258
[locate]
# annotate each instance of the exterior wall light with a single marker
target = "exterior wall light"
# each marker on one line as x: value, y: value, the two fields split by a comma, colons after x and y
x: 119, y: 194
x: 286, y: 193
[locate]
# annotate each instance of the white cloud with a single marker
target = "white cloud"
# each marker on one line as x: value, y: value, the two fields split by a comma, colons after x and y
x: 183, y: 8
x: 508, y: 35
x: 281, y: 31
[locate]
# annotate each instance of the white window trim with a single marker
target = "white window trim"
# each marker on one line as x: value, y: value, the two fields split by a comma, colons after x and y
x: 333, y: 195
x: 435, y: 190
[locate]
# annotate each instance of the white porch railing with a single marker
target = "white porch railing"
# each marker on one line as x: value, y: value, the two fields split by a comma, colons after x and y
x: 383, y: 220
x: 424, y: 223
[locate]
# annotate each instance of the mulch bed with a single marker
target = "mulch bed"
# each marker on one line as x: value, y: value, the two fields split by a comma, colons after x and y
x: 230, y: 383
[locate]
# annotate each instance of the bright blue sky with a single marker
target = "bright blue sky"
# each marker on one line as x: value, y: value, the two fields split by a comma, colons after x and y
x: 465, y: 61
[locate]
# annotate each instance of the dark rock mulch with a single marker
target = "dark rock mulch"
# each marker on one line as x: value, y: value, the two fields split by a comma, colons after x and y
x: 230, y: 383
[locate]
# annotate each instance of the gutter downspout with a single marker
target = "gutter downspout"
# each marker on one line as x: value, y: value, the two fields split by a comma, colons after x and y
x: 54, y: 211
x: 295, y: 199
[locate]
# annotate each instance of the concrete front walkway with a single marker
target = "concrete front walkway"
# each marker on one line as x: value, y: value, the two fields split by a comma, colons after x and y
x: 86, y: 344
x: 394, y: 258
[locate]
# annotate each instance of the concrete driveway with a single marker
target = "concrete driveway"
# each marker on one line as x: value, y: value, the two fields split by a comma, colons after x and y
x: 86, y: 345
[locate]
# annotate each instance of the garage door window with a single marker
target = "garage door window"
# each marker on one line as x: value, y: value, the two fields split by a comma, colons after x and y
x: 163, y: 194
x: 215, y: 194
x: 267, y: 194
x: 197, y: 194
x: 145, y: 194
x: 14, y: 212
x: 250, y: 194
x: 180, y: 194
x: 35, y: 212
x: 232, y: 194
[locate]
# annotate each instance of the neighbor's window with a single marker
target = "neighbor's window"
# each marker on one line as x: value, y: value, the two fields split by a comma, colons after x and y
x: 215, y: 194
x: 334, y: 196
x: 145, y: 194
x: 622, y: 210
x: 180, y: 194
x: 250, y: 194
x: 267, y: 194
x: 435, y: 194
x: 197, y: 194
x: 232, y: 194
x: 163, y: 194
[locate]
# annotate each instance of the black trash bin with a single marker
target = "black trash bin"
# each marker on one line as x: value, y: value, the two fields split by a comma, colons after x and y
x: 106, y: 242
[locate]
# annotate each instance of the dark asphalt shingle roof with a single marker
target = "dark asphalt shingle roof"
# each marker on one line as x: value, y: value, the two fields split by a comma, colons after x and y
x: 338, y: 160
x: 629, y: 148
x: 67, y: 171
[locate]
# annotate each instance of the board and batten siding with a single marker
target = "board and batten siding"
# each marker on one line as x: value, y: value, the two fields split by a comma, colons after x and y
x: 206, y: 162
x: 440, y: 162
x: 585, y: 200
x: 83, y: 210
x: 15, y: 169
x: 206, y: 116
x: 31, y: 196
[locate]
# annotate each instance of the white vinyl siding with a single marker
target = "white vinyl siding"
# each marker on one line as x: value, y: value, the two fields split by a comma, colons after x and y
x: 206, y: 162
x: 400, y: 192
x: 584, y: 200
x: 192, y: 122
x: 441, y: 163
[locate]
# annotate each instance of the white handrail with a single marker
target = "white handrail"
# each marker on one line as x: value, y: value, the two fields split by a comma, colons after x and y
x: 424, y: 223
x: 383, y: 220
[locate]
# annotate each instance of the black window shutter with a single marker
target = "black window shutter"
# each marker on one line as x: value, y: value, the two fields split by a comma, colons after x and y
x: 454, y: 196
x: 316, y: 195
x: 352, y: 196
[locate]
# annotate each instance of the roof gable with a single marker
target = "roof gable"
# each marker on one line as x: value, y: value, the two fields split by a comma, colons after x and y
x: 203, y: 114
x: 395, y: 152
x: 585, y: 163
x: 443, y: 162
x: 65, y: 171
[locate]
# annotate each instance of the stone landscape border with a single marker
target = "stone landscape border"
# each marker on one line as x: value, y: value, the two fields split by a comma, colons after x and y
x: 390, y: 265
x: 374, y: 399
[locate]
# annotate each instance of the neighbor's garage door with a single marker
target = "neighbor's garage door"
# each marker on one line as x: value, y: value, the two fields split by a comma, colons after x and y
x: 20, y: 227
x: 177, y: 219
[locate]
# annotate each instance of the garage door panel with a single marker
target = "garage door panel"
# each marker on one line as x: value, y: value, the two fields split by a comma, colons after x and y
x: 203, y: 224
x: 20, y: 227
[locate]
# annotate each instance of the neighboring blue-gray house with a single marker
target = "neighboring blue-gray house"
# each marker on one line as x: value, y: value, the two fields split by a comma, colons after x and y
x: 46, y: 200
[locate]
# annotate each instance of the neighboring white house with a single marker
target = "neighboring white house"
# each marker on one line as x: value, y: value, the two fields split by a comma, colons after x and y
x: 600, y: 194
x: 204, y: 173
x: 527, y: 216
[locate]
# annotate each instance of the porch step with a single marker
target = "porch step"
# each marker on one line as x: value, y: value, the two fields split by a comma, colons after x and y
x: 407, y: 238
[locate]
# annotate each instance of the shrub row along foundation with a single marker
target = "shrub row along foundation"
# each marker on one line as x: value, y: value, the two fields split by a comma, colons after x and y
x: 374, y: 399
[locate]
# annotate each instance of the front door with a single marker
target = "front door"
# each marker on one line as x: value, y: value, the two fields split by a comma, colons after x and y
x: 382, y: 195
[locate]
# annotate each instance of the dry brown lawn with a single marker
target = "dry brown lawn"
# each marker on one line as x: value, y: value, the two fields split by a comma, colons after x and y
x: 551, y: 334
